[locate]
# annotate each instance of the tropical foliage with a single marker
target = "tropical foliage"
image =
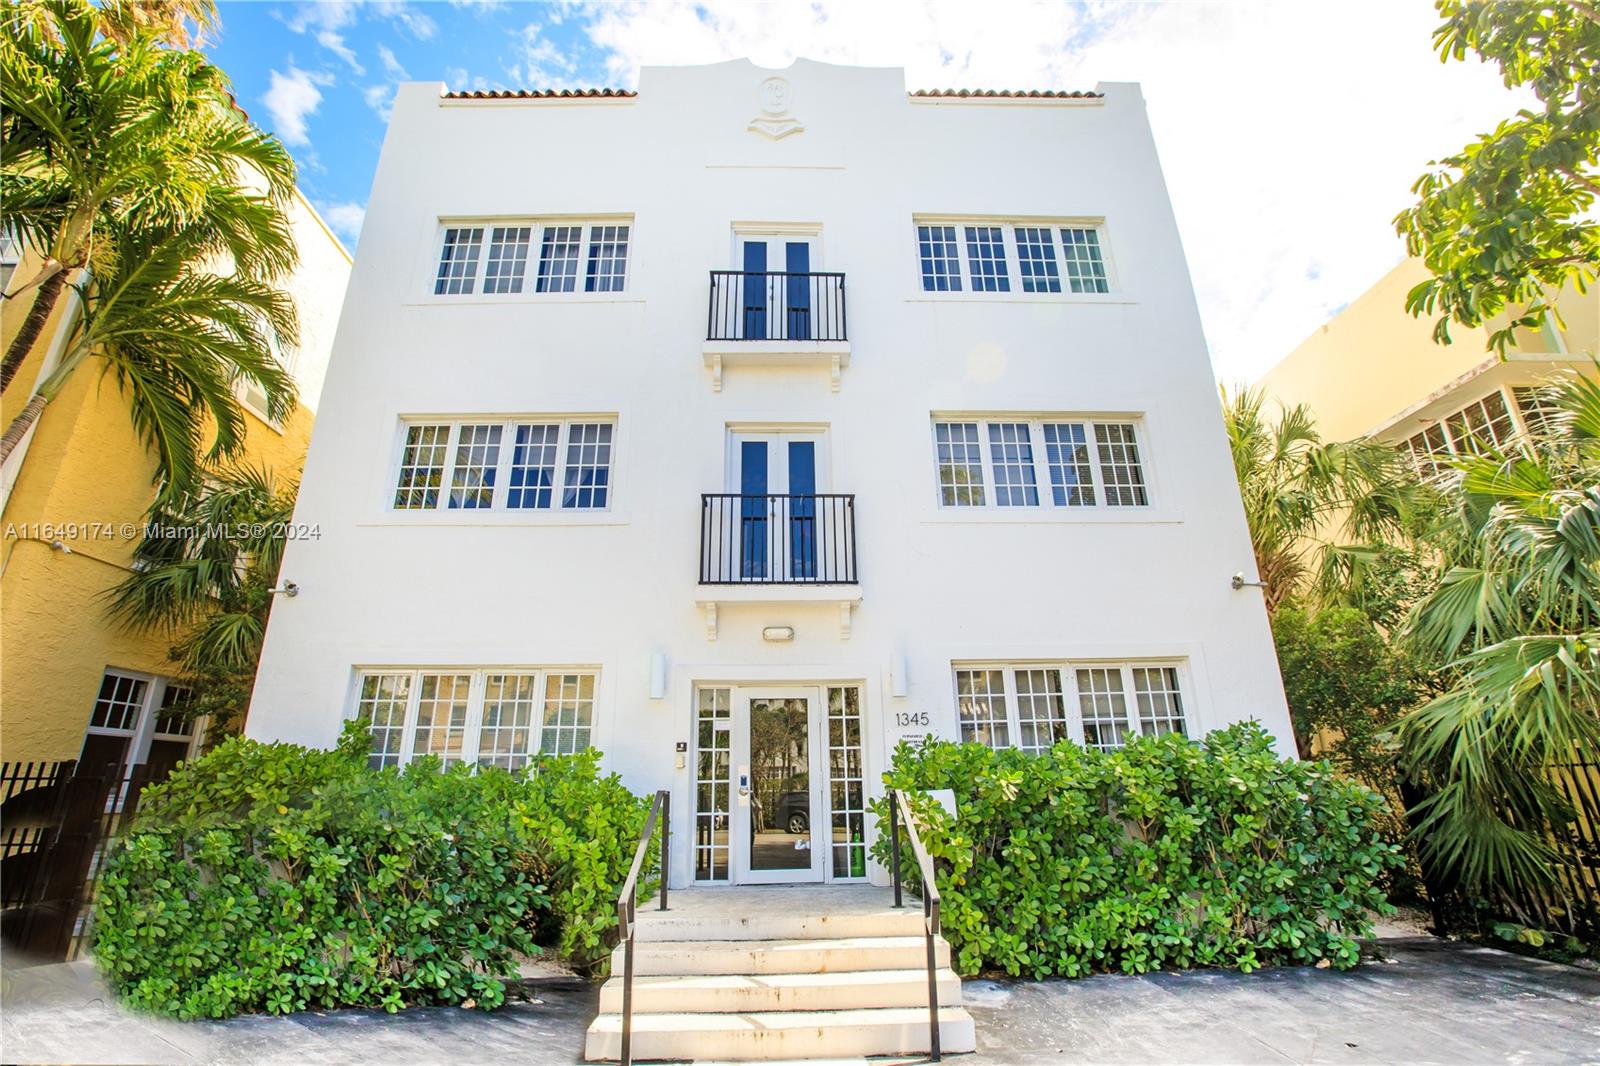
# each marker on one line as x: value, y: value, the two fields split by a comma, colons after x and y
x: 1507, y: 222
x: 270, y: 877
x: 1164, y: 854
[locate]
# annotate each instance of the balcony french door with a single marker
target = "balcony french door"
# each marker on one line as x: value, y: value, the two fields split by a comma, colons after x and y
x: 776, y: 476
x: 776, y: 289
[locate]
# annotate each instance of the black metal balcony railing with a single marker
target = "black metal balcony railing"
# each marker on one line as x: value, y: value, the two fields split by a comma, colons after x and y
x: 777, y: 540
x: 775, y: 306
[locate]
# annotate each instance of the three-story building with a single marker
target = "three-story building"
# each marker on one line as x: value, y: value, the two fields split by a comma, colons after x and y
x: 749, y: 424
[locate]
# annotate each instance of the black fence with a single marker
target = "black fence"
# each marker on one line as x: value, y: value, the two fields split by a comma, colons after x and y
x: 55, y: 821
x: 776, y: 306
x: 777, y: 540
x: 1572, y: 903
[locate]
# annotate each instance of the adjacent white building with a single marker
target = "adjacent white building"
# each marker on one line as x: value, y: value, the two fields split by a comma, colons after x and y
x: 749, y: 424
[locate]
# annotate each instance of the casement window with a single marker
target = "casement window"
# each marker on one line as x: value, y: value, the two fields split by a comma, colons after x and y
x: 521, y: 465
x: 1485, y: 424
x: 1537, y: 408
x: 485, y: 717
x: 986, y: 256
x: 1099, y: 705
x: 1053, y: 461
x: 493, y: 259
x: 139, y: 719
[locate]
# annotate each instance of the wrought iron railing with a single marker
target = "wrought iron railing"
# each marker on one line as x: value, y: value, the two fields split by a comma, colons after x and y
x: 777, y: 540
x: 628, y: 904
x: 900, y: 812
x: 776, y: 306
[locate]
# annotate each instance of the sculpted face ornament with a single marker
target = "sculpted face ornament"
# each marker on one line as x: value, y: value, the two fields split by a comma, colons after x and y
x: 775, y: 120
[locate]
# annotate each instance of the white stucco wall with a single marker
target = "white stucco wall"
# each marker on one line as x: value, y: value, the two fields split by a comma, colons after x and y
x: 391, y: 588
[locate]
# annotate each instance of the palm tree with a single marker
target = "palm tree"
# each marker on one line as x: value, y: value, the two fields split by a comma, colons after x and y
x: 177, y: 337
x: 203, y: 577
x: 1516, y: 610
x: 1320, y: 514
x: 103, y: 134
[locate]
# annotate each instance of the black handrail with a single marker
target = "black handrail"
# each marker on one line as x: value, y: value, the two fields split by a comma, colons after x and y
x: 807, y: 539
x: 776, y: 305
x: 898, y: 811
x: 628, y: 902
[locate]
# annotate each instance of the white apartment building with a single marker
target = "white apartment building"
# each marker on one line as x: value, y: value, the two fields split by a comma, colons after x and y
x: 750, y: 424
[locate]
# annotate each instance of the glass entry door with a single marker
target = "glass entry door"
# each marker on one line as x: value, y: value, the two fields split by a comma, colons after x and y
x: 779, y: 795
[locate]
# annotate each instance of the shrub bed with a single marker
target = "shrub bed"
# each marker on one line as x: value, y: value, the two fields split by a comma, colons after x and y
x: 275, y: 877
x: 1166, y: 854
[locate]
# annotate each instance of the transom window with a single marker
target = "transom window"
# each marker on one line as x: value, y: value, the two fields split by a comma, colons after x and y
x: 1487, y: 423
x: 1099, y: 705
x: 487, y: 717
x: 1083, y: 463
x: 522, y: 465
x: 978, y: 256
x: 571, y: 257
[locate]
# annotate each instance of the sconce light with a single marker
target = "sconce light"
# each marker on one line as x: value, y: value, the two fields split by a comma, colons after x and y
x: 1238, y: 582
x: 658, y: 675
x: 778, y: 634
x: 288, y: 588
x: 899, y: 683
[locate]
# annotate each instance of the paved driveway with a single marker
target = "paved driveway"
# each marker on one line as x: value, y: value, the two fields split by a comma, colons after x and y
x: 1431, y: 1002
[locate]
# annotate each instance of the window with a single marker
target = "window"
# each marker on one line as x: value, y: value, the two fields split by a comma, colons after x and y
x: 1536, y: 406
x: 1033, y: 706
x: 984, y: 250
x: 141, y: 720
x: 10, y: 256
x: 493, y: 260
x: 712, y: 809
x: 1484, y: 425
x: 847, y: 804
x: 1085, y: 463
x: 483, y: 474
x: 484, y: 717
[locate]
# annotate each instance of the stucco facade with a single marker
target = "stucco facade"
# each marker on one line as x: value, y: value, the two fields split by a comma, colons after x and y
x: 422, y: 612
x: 76, y: 493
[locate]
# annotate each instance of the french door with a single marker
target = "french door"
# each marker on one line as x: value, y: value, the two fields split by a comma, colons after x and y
x: 776, y: 289
x: 779, y: 803
x: 777, y: 477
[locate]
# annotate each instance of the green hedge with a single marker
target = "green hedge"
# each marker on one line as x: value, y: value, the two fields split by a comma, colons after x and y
x: 1166, y: 854
x: 275, y: 877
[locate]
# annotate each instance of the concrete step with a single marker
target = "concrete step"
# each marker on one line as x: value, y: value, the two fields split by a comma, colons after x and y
x: 656, y: 926
x: 744, y: 993
x: 746, y: 957
x: 768, y: 1035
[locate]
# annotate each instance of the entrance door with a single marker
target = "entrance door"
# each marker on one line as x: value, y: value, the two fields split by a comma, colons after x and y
x: 777, y: 477
x: 777, y: 289
x: 779, y: 778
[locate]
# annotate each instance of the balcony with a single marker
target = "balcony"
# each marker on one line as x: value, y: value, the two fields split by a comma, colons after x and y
x: 777, y: 549
x: 776, y: 318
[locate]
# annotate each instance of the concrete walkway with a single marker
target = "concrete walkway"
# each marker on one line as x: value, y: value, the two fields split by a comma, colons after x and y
x: 1430, y: 1002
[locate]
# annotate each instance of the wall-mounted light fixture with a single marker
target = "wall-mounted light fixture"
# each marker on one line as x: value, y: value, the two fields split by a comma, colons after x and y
x: 1238, y: 582
x: 658, y: 675
x: 288, y: 588
x: 899, y: 682
x: 778, y: 634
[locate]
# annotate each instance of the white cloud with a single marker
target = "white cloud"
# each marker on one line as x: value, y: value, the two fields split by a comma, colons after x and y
x: 344, y: 218
x: 1289, y: 133
x: 391, y: 65
x: 539, y: 63
x: 291, y: 99
x: 380, y: 98
x: 324, y: 19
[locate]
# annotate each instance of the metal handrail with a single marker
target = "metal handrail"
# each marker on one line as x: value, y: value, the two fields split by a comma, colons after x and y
x: 900, y: 811
x: 776, y: 305
x: 628, y: 903
x: 777, y: 539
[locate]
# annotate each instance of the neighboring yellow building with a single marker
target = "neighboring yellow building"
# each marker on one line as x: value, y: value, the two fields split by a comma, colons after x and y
x: 73, y: 497
x: 1374, y: 370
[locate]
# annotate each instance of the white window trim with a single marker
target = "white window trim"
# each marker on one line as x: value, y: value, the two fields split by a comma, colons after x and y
x: 477, y: 688
x: 1008, y: 224
x: 1100, y: 510
x: 1068, y: 672
x: 435, y: 243
x: 442, y: 511
x: 1519, y: 428
x: 143, y: 731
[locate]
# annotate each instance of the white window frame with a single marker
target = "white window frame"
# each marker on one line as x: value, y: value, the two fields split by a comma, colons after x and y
x: 10, y: 257
x: 587, y: 225
x: 1041, y: 464
x: 1429, y: 463
x: 502, y: 483
x: 1009, y: 227
x: 1067, y: 676
x: 477, y: 690
x: 143, y: 730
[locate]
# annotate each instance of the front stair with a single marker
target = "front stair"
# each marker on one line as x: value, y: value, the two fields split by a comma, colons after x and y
x: 740, y: 974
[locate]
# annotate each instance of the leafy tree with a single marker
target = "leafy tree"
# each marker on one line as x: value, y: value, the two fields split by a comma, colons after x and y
x: 1508, y: 221
x: 1516, y: 610
x: 1318, y: 512
x: 203, y: 574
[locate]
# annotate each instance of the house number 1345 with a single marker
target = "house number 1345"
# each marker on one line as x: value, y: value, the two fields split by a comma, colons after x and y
x: 907, y: 718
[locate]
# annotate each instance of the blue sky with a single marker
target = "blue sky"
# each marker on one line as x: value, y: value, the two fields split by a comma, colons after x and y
x: 1290, y: 131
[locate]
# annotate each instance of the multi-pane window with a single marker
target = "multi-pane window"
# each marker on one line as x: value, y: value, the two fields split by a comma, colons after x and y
x: 486, y: 717
x: 973, y: 256
x: 494, y: 259
x: 1098, y: 705
x: 482, y: 473
x: 1483, y: 425
x: 1085, y: 463
x: 940, y: 258
x: 847, y: 803
x: 713, y: 813
x: 10, y: 255
x: 142, y: 720
x: 458, y: 261
x: 120, y: 702
x: 1536, y: 406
